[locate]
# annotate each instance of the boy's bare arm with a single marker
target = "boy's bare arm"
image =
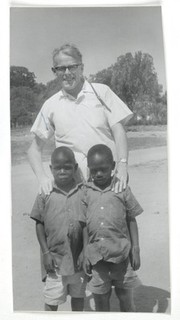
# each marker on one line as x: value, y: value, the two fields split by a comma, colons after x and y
x: 86, y: 263
x: 135, y: 250
x: 85, y: 238
x: 48, y: 260
x: 40, y: 232
x: 35, y: 159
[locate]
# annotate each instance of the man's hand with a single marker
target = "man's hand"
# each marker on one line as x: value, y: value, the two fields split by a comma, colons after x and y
x: 49, y: 262
x: 135, y: 258
x: 120, y: 178
x: 45, y: 185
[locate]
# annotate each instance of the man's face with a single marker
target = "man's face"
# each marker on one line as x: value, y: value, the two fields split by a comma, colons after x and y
x: 100, y: 170
x: 70, y: 78
x: 63, y: 169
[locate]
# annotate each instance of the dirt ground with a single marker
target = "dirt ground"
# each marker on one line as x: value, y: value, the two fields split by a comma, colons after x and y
x: 149, y: 183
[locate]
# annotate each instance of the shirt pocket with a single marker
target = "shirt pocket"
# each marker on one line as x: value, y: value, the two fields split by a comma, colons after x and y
x: 64, y: 119
x: 94, y: 113
x: 117, y: 212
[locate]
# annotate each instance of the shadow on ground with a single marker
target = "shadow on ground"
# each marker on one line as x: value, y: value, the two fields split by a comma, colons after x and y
x: 147, y: 299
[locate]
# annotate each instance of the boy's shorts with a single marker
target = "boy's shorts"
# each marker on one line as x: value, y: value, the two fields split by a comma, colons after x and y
x: 108, y: 274
x: 57, y: 287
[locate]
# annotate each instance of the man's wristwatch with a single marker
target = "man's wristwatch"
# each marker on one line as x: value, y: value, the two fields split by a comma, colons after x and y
x: 122, y: 160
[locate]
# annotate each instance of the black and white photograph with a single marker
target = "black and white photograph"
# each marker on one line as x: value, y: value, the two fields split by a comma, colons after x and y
x: 88, y: 123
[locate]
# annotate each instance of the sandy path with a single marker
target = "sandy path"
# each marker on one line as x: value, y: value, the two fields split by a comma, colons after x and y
x: 148, y: 180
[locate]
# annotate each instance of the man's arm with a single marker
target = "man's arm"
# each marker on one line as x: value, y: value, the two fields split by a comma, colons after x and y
x: 48, y: 260
x: 35, y: 159
x: 121, y: 174
x: 135, y: 250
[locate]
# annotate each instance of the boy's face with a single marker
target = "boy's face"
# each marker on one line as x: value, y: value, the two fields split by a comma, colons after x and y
x: 100, y: 170
x: 63, y: 169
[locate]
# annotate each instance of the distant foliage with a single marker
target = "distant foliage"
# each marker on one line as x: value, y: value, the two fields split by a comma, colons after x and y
x: 52, y: 87
x: 135, y: 81
x: 23, y: 104
x: 25, y: 96
x: 132, y: 78
x: 21, y: 77
x: 104, y: 76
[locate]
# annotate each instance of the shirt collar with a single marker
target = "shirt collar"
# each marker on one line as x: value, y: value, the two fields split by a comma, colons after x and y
x: 91, y: 185
x: 85, y: 89
x: 63, y: 94
x: 74, y: 189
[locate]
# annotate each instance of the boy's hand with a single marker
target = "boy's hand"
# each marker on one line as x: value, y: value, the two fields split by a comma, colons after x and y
x: 80, y: 261
x: 49, y: 262
x: 135, y: 258
x: 87, y: 267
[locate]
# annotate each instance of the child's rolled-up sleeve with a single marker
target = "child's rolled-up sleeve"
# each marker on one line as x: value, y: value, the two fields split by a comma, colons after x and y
x: 37, y: 212
x: 133, y: 207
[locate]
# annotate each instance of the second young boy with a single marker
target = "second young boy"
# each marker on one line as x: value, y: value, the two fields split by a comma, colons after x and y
x: 111, y: 244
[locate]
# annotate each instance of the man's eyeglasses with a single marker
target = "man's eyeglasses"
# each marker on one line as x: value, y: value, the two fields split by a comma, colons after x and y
x: 62, y: 69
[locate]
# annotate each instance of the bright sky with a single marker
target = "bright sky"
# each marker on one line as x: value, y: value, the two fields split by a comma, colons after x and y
x: 101, y: 33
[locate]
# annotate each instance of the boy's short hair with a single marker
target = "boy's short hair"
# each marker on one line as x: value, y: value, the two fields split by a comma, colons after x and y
x: 100, y: 149
x: 64, y: 150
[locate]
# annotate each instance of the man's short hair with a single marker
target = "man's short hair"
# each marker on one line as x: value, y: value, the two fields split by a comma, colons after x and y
x: 100, y: 149
x: 70, y: 50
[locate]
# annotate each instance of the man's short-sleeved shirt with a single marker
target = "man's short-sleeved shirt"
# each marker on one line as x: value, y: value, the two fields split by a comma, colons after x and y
x: 106, y: 223
x: 59, y: 213
x: 83, y: 122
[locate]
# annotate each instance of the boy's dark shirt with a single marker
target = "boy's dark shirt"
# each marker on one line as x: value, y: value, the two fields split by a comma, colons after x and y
x: 106, y: 223
x: 59, y: 213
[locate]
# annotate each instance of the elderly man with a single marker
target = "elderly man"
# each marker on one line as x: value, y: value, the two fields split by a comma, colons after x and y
x: 80, y: 115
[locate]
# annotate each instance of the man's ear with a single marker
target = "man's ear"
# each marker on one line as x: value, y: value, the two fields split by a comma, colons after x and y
x: 82, y: 67
x: 50, y: 166
x: 54, y: 72
x: 76, y: 166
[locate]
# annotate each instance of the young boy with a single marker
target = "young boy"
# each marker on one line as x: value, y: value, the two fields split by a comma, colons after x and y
x: 111, y: 245
x: 60, y: 233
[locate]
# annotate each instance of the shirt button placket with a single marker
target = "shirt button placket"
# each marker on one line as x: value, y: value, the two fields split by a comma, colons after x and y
x: 68, y: 210
x: 102, y: 208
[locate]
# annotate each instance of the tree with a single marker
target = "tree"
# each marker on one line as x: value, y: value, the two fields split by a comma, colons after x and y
x: 53, y: 87
x: 26, y: 95
x: 103, y: 76
x: 21, y: 77
x: 134, y: 80
x: 134, y: 77
x: 23, y: 105
x: 121, y: 82
x: 164, y: 98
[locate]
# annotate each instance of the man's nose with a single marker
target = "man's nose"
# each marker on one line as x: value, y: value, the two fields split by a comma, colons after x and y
x: 67, y: 71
